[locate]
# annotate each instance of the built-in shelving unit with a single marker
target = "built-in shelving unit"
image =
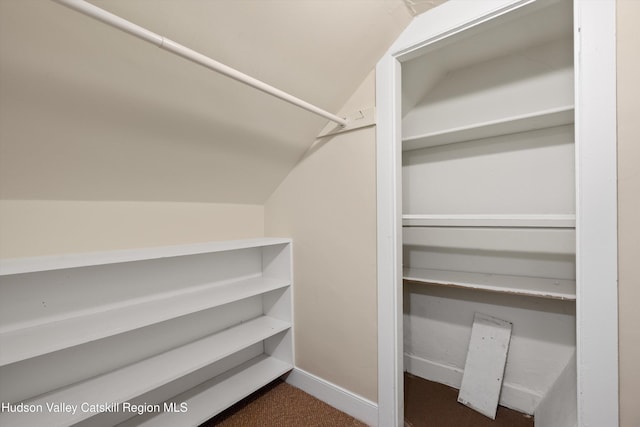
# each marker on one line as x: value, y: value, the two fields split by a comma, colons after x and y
x: 241, y: 289
x: 488, y: 198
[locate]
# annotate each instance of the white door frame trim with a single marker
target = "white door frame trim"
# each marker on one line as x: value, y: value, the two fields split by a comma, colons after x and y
x: 596, y: 199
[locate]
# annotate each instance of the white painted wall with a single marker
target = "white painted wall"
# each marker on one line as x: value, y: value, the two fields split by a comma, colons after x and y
x: 524, y: 173
x: 327, y: 206
x: 50, y: 227
x: 628, y: 15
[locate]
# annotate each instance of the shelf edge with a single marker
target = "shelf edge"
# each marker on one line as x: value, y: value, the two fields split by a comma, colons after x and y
x: 493, y: 128
x: 9, y: 266
x: 466, y: 284
x: 515, y: 220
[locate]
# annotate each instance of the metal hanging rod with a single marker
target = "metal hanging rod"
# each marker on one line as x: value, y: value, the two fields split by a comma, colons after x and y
x: 190, y: 54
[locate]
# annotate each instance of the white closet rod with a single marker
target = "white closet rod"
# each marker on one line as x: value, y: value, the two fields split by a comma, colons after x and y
x: 190, y: 54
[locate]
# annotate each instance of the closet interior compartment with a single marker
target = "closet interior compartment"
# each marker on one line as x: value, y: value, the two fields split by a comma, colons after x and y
x: 488, y: 181
x: 154, y: 336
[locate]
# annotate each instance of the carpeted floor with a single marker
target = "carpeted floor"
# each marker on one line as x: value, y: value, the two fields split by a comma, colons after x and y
x: 282, y: 405
x: 427, y: 404
x: 430, y: 404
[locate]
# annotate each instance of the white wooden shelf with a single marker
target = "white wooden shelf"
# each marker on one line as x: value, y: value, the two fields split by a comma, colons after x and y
x: 519, y: 285
x: 514, y: 221
x: 522, y: 123
x: 212, y: 397
x: 133, y: 380
x: 58, y: 262
x: 235, y: 294
x: 22, y: 341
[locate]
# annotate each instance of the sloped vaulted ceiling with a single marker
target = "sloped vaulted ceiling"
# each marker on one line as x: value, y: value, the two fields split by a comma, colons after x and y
x: 90, y: 113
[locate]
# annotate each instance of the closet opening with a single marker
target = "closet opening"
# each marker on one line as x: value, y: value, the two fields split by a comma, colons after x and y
x: 488, y: 220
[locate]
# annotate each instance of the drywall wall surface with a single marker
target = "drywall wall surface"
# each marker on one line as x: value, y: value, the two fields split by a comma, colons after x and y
x: 629, y: 208
x: 37, y: 227
x: 327, y: 205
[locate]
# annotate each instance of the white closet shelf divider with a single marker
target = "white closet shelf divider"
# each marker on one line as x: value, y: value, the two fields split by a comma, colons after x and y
x: 519, y: 285
x: 522, y: 123
x: 217, y: 394
x: 507, y: 220
x: 22, y: 341
x: 133, y: 380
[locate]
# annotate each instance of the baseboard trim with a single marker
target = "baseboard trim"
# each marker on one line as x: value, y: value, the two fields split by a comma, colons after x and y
x: 512, y: 395
x: 336, y: 396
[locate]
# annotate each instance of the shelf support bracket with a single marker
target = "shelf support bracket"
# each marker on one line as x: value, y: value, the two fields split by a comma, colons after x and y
x: 355, y: 120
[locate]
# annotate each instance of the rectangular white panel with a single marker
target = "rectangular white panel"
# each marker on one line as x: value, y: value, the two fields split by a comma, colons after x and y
x: 484, y: 368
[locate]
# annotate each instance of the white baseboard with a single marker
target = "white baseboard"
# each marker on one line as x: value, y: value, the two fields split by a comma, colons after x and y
x: 336, y: 396
x: 512, y: 396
